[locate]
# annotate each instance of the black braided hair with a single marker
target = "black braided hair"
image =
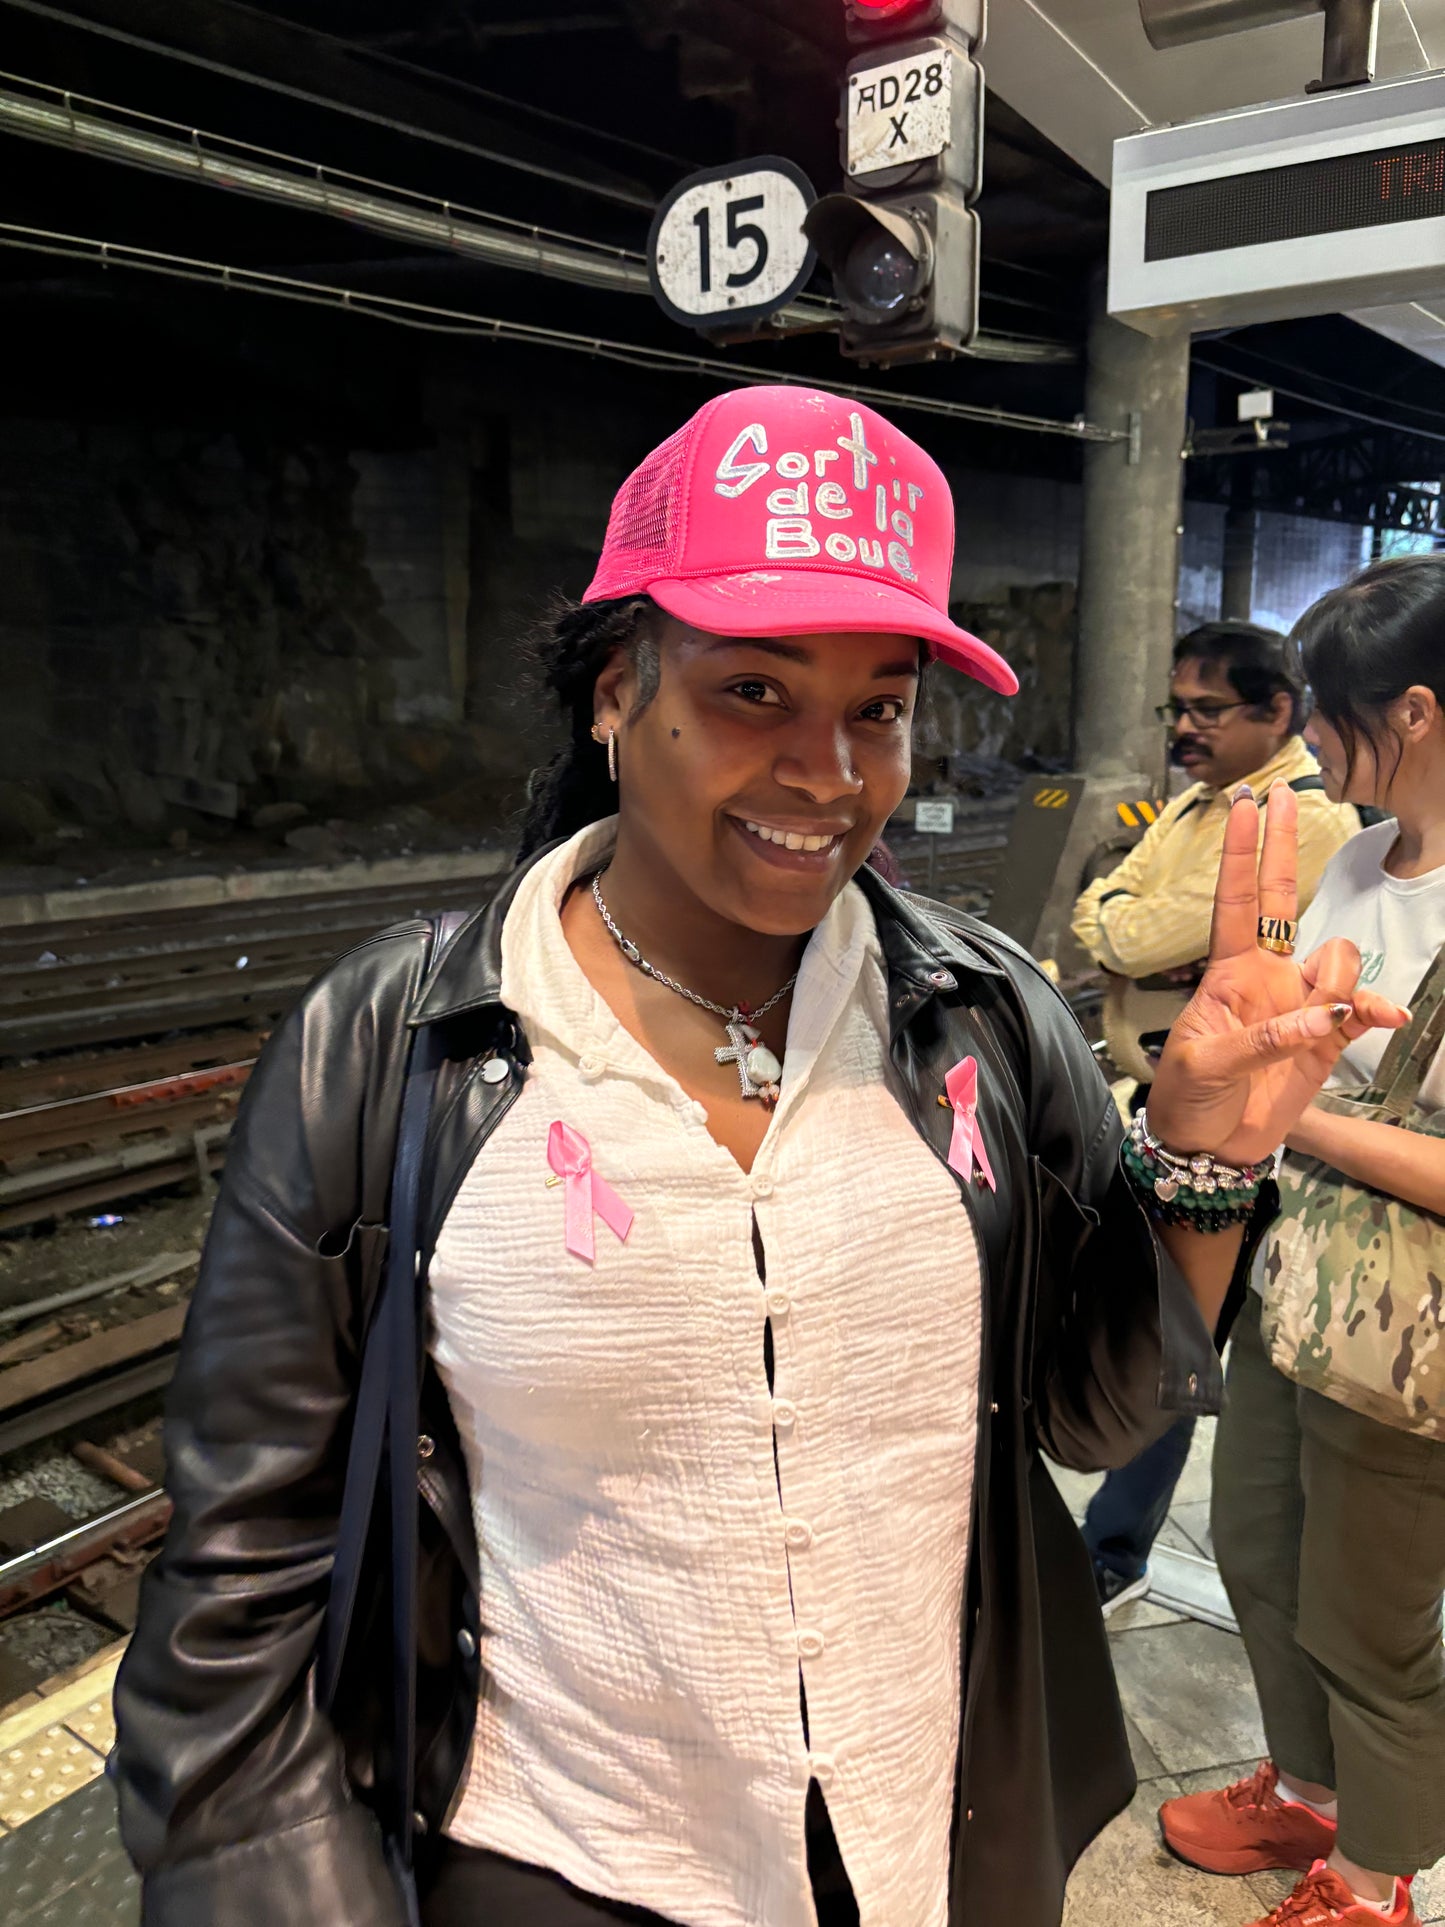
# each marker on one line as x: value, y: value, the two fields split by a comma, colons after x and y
x: 574, y: 789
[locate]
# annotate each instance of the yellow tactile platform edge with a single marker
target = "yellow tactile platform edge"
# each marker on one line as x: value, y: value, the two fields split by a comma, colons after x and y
x: 56, y: 1739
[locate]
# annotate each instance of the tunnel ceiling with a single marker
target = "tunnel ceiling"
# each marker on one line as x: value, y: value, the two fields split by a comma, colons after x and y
x: 578, y: 114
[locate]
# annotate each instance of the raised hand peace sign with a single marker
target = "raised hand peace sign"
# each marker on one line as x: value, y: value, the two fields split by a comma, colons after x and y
x: 1262, y: 1032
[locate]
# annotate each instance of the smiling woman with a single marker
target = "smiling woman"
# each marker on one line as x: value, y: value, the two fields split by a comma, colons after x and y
x: 772, y: 1223
x: 755, y: 775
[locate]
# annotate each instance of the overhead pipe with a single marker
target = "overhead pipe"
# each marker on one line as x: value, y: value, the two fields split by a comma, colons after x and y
x: 615, y: 270
x: 62, y: 125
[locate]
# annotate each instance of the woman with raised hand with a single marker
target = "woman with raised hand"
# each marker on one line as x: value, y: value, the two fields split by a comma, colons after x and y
x: 1329, y: 1465
x: 772, y: 1224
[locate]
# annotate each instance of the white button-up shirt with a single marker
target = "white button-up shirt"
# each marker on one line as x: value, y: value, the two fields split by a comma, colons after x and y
x: 651, y: 1582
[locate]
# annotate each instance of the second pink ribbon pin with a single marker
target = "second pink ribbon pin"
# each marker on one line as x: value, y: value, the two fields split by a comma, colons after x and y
x: 570, y: 1156
x: 966, y: 1152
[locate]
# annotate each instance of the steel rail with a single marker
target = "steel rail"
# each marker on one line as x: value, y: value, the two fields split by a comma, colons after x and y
x: 48, y: 1567
x: 154, y: 1273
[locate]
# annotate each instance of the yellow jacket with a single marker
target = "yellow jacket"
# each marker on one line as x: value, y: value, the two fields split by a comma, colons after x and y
x: 1153, y: 912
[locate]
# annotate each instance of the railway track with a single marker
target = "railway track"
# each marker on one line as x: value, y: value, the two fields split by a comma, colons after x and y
x: 961, y: 868
x: 64, y: 1397
x: 125, y: 1043
x: 79, y: 983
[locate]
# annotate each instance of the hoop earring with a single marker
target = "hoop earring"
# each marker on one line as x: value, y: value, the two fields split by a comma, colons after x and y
x: 612, y: 754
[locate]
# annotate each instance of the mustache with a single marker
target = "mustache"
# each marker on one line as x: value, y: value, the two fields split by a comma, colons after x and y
x: 1182, y: 743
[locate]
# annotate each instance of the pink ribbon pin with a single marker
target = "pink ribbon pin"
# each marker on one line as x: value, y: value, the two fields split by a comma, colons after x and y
x: 570, y: 1156
x: 967, y: 1150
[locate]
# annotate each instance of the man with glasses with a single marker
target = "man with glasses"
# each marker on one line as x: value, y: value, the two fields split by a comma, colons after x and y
x: 1236, y: 707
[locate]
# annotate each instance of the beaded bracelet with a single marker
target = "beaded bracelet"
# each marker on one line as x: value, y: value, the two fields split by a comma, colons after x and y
x: 1200, y: 1191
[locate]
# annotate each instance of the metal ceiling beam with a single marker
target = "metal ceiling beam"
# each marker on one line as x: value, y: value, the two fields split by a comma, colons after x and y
x: 1369, y: 478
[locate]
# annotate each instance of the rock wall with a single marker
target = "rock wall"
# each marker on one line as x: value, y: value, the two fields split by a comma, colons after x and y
x: 1034, y: 627
x: 192, y: 621
x: 329, y: 612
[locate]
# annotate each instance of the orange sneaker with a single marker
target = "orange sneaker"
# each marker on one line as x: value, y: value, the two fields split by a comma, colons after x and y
x: 1322, y: 1898
x: 1246, y: 1828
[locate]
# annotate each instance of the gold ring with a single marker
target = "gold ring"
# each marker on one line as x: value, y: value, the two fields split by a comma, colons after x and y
x: 1277, y: 935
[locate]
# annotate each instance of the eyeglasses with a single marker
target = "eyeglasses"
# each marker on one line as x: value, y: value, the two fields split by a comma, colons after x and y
x: 1202, y: 715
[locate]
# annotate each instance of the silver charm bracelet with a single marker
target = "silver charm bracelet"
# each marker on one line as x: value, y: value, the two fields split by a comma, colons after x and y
x: 1200, y: 1190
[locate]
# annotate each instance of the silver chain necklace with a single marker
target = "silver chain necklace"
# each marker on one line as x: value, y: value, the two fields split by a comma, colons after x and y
x: 758, y: 1068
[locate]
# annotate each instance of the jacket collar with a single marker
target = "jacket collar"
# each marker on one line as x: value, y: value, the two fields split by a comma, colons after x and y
x: 929, y: 954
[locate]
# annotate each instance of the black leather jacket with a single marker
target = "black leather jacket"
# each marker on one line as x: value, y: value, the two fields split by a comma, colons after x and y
x: 241, y: 1803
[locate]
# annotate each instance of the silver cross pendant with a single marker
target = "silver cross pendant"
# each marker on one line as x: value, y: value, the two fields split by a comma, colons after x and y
x: 752, y: 1058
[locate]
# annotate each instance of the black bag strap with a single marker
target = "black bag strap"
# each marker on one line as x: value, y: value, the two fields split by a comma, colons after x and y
x: 1304, y: 784
x: 385, y: 1422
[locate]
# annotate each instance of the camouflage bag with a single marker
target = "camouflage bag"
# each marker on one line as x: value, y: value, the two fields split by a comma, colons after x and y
x: 1353, y: 1277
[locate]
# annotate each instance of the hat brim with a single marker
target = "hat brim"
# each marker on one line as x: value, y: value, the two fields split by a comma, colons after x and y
x: 813, y: 602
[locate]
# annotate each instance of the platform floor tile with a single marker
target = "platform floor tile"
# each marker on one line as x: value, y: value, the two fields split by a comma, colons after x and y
x: 67, y: 1868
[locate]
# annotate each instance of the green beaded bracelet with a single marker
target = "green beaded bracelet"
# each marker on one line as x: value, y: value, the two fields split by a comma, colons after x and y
x: 1199, y: 1211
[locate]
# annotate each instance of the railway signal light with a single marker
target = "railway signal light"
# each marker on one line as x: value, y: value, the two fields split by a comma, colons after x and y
x: 889, y: 19
x: 902, y: 241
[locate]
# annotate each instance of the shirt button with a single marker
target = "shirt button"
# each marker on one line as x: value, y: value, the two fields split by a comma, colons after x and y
x: 823, y: 1768
x: 1193, y: 1383
x: 425, y: 1446
x: 762, y: 1187
x: 785, y: 1414
x: 591, y: 1069
x: 798, y: 1534
x: 779, y: 1304
x: 466, y: 1644
x: 810, y: 1645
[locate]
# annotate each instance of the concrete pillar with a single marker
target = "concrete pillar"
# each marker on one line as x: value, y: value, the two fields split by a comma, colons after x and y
x: 1236, y: 584
x: 1129, y: 566
x: 1241, y: 545
x: 1128, y: 591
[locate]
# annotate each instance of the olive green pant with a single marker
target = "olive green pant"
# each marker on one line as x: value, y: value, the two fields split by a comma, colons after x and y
x: 1329, y: 1530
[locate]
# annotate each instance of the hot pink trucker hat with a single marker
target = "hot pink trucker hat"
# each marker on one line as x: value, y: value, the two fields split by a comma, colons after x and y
x: 791, y: 512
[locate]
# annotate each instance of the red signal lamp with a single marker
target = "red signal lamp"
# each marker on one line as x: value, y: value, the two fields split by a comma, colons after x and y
x: 870, y: 21
x: 879, y: 14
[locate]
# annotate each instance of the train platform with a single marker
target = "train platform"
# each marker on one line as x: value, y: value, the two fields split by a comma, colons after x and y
x: 61, y: 1860
x: 1185, y: 1683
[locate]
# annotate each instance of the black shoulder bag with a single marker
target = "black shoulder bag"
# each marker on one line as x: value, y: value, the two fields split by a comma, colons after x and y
x: 386, y: 1422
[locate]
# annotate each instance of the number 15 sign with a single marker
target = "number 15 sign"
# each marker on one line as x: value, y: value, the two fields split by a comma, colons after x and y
x: 727, y: 245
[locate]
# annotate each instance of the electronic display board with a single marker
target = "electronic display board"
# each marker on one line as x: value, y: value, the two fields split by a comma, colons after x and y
x: 1329, y: 196
x: 1332, y: 202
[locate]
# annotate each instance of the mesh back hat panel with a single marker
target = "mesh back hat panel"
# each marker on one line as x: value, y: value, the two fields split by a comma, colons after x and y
x: 788, y: 511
